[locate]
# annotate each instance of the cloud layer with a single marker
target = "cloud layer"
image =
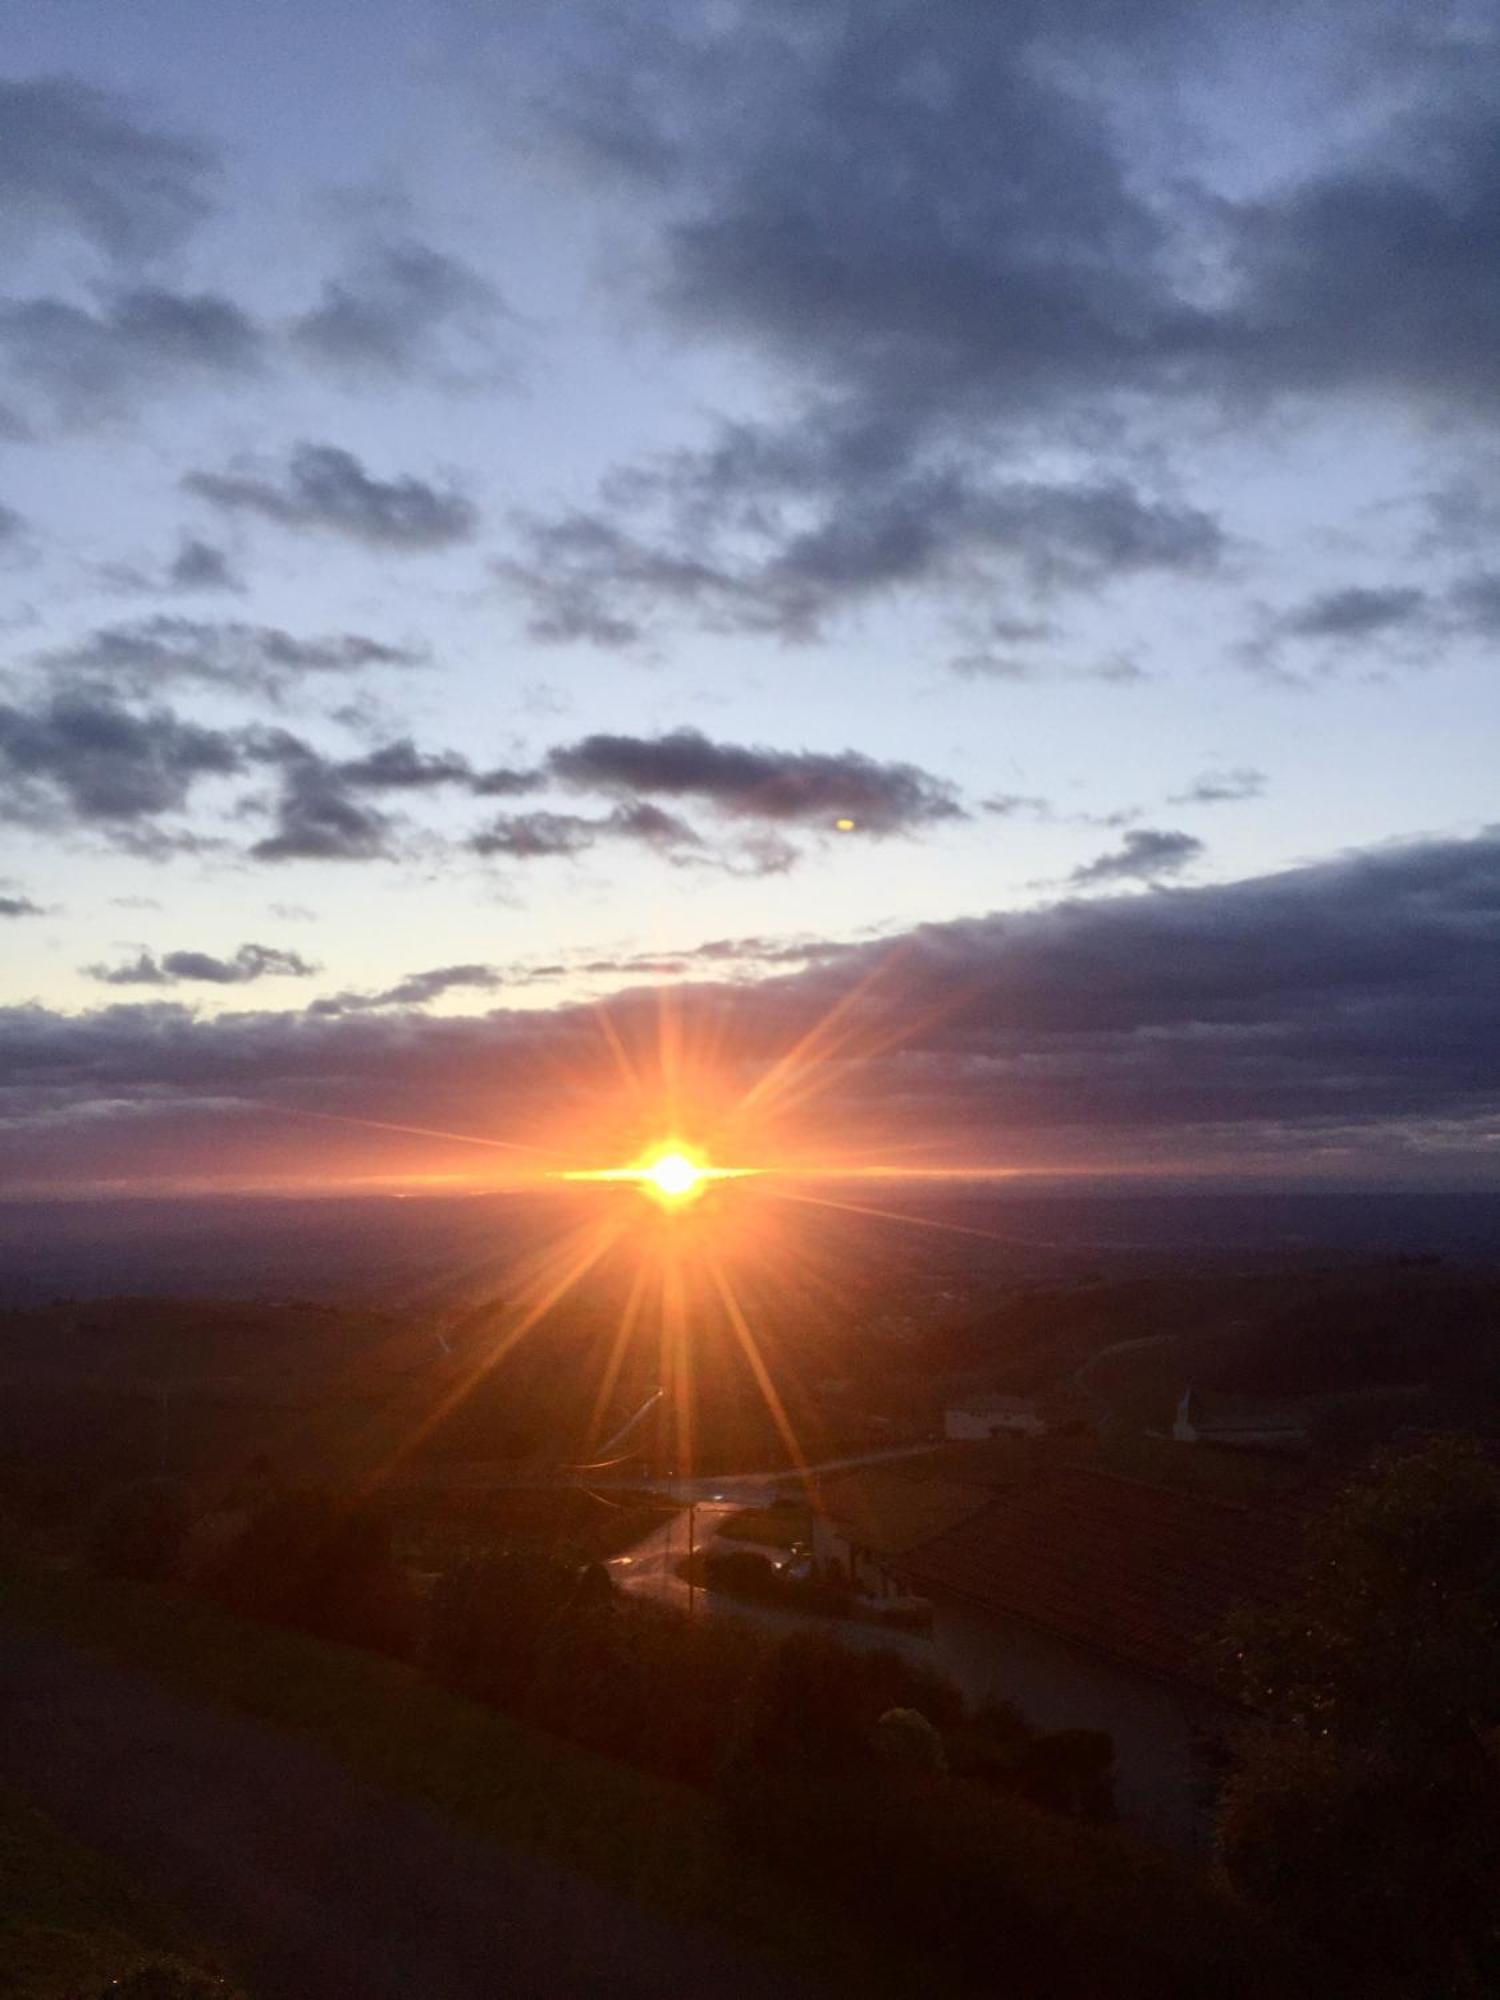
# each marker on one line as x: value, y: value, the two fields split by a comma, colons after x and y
x: 1332, y: 1020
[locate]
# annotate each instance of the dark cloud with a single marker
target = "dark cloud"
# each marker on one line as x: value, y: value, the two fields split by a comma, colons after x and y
x: 1217, y: 788
x: 79, y: 755
x: 19, y: 906
x: 1379, y: 278
x: 92, y: 363
x: 931, y: 238
x: 415, y: 990
x: 250, y: 963
x: 536, y: 836
x: 317, y: 815
x: 12, y: 526
x: 405, y: 309
x: 420, y: 987
x: 1477, y: 602
x: 198, y: 565
x: 801, y: 787
x: 1145, y: 853
x: 1357, y: 612
x: 1336, y: 1019
x: 75, y: 157
x: 593, y: 577
x: 401, y: 767
x: 150, y: 653
x: 942, y: 238
x: 329, y: 489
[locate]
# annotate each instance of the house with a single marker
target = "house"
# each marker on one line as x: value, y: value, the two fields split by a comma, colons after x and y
x: 1091, y: 1601
x: 1241, y: 1423
x: 866, y: 1518
x: 994, y: 1416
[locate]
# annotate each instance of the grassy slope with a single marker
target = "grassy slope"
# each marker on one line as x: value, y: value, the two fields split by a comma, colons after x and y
x: 70, y: 1920
x: 657, y: 1841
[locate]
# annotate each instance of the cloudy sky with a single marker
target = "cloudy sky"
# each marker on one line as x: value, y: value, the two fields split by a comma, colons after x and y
x: 521, y: 503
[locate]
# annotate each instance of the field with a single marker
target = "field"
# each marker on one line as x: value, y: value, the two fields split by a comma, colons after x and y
x: 70, y: 1920
x: 658, y: 1842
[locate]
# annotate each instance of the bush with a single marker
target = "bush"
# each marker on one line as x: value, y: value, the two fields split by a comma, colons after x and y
x: 1069, y: 1771
x: 488, y: 1617
x: 141, y: 1532
x: 814, y: 1704
x: 322, y: 1566
x: 641, y: 1681
x: 1005, y: 1897
x: 1365, y: 1808
x: 741, y: 1573
x: 904, y: 1736
x: 1389, y: 1869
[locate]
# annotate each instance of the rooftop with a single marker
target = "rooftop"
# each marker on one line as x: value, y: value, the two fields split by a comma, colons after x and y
x: 891, y: 1512
x: 1140, y: 1573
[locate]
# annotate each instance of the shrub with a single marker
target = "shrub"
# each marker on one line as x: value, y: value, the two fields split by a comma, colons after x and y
x: 741, y: 1572
x: 487, y: 1619
x: 1365, y: 1808
x: 307, y: 1560
x: 141, y: 1532
x: 1389, y: 1869
x: 904, y: 1736
x: 1069, y: 1771
x: 1005, y: 1897
x: 641, y: 1681
x: 814, y: 1704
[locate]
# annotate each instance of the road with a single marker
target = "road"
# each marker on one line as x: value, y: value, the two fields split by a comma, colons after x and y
x: 649, y: 1569
x: 318, y: 1885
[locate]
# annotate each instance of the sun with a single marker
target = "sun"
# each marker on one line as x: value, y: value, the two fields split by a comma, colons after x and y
x: 671, y: 1176
x: 674, y: 1177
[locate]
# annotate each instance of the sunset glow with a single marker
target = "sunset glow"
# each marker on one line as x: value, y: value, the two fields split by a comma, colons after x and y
x: 669, y: 1175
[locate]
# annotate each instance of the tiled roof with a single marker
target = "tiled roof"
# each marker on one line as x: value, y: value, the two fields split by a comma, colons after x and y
x: 889, y: 1513
x: 1140, y: 1573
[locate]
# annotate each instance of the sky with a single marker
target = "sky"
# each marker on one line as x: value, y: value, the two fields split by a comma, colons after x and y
x: 522, y: 523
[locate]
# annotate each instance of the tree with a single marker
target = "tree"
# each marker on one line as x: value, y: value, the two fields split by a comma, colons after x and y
x: 322, y: 1564
x: 489, y: 1616
x: 1366, y: 1803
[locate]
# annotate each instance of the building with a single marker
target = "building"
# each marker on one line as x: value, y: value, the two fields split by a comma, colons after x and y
x: 867, y: 1518
x: 1091, y: 1601
x: 993, y: 1416
x: 1241, y: 1423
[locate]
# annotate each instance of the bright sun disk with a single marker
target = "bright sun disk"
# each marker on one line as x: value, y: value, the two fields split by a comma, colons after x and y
x: 673, y: 1175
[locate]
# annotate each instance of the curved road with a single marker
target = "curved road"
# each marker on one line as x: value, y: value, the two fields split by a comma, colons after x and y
x: 318, y: 1885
